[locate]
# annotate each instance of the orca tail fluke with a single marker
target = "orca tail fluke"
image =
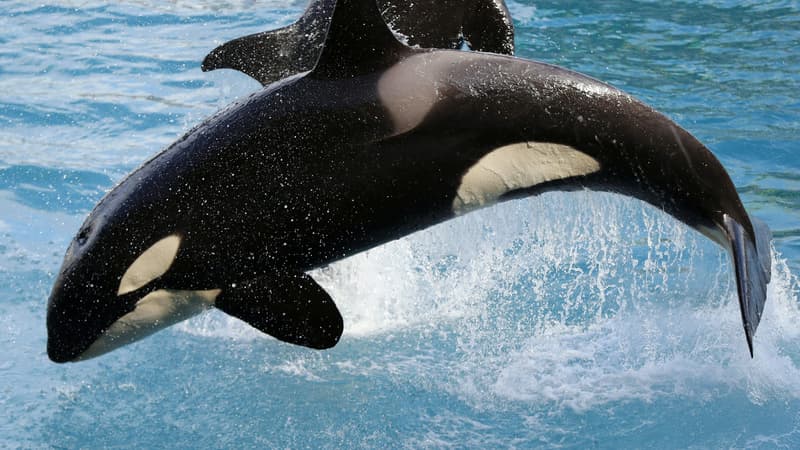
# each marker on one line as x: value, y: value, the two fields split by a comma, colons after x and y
x: 752, y: 263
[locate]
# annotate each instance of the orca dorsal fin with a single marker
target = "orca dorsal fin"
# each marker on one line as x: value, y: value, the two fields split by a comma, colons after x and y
x: 358, y: 42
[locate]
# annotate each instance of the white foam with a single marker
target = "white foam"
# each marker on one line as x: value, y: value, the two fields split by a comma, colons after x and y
x: 574, y: 300
x: 520, y: 12
x: 218, y: 325
x: 618, y: 303
x: 692, y: 353
x: 297, y: 367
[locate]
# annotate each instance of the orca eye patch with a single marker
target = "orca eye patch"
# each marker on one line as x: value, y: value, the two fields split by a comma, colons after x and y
x: 151, y: 264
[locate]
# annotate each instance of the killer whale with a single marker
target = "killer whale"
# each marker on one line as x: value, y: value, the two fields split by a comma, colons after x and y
x: 276, y: 54
x: 379, y: 140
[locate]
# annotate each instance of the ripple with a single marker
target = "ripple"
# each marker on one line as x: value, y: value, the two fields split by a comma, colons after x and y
x: 48, y: 189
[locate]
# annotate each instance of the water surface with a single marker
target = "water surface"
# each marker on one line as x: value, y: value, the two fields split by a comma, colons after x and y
x: 569, y: 320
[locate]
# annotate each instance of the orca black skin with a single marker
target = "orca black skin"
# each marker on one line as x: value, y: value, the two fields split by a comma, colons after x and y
x: 273, y: 55
x: 378, y: 141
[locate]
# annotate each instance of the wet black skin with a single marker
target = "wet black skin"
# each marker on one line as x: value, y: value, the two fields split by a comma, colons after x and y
x: 486, y: 25
x: 311, y: 170
x: 296, y: 178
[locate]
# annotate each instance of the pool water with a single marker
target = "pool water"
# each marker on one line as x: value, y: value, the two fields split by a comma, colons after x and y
x: 578, y: 320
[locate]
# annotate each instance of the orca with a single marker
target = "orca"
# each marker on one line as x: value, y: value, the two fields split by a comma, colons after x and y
x: 485, y: 25
x: 378, y: 141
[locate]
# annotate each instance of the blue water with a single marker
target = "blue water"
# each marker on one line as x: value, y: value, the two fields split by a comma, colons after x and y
x: 570, y: 320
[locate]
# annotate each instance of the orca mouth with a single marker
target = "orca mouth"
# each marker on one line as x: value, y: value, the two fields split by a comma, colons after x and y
x: 67, y: 338
x: 72, y: 337
x: 155, y: 311
x: 58, y: 352
x: 77, y: 317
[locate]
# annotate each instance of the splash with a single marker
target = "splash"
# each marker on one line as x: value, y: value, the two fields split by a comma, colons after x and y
x: 521, y: 13
x: 569, y: 300
x: 692, y: 353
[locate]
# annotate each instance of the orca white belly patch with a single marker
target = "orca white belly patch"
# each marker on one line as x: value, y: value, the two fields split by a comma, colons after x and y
x: 156, y: 311
x: 519, y: 166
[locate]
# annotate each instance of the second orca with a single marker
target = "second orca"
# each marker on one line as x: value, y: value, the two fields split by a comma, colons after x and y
x: 485, y: 25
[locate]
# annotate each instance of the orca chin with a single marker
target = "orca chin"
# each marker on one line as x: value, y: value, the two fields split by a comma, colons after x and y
x: 60, y: 353
x: 155, y: 311
x: 64, y: 346
x: 70, y: 329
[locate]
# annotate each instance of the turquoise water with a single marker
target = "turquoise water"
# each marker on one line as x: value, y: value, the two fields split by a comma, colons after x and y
x: 574, y: 320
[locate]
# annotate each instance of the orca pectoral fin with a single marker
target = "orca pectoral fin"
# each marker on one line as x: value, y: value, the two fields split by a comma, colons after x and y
x: 267, y: 57
x: 752, y: 261
x: 291, y: 307
x: 276, y: 54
